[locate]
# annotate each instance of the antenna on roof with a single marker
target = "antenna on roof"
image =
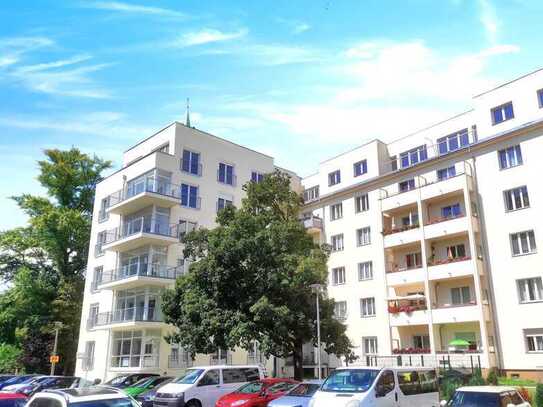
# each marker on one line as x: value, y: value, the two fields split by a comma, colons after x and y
x: 187, y: 122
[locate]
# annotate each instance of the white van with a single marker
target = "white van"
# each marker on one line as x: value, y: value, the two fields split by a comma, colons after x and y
x: 355, y: 386
x: 203, y: 386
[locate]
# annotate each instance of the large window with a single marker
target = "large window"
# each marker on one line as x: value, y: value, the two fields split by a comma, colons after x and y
x: 414, y: 156
x: 336, y: 211
x: 189, y: 196
x: 530, y: 289
x: 103, y: 214
x: 510, y: 157
x: 534, y: 340
x: 460, y: 295
x: 101, y: 239
x: 88, y: 360
x: 363, y: 236
x: 135, y: 348
x: 523, y: 243
x: 338, y: 275
x: 191, y: 162
x: 98, y: 274
x: 453, y: 141
x: 340, y: 310
x: 361, y: 203
x: 502, y: 113
x: 334, y: 178
x: 336, y: 242
x: 365, y: 270
x: 446, y: 173
x: 360, y: 168
x: 225, y: 174
x: 421, y: 341
x: 367, y: 307
x: 369, y: 345
x: 516, y: 198
x: 311, y: 194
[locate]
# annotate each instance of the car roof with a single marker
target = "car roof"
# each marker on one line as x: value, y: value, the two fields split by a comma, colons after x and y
x: 225, y: 367
x: 379, y: 368
x: 87, y: 393
x: 486, y: 389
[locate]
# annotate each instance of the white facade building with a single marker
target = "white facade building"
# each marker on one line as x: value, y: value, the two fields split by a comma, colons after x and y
x: 434, y: 237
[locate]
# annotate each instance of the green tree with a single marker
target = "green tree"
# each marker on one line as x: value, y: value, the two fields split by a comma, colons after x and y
x: 539, y: 395
x: 251, y: 281
x: 52, y: 252
x: 9, y: 358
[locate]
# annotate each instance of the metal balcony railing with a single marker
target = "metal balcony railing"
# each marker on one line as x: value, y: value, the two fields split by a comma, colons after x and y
x: 447, y: 260
x: 222, y: 360
x: 392, y: 267
x: 180, y: 361
x: 143, y: 224
x: 150, y: 184
x: 440, y: 219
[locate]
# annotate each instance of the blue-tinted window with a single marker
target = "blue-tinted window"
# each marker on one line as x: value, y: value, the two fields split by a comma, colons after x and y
x: 223, y: 203
x: 445, y: 173
x: 257, y: 176
x: 360, y: 168
x: 226, y: 174
x: 191, y: 162
x: 540, y: 97
x: 510, y: 157
x: 189, y: 196
x: 453, y: 141
x: 451, y: 211
x: 412, y: 157
x: 334, y: 178
x: 502, y: 113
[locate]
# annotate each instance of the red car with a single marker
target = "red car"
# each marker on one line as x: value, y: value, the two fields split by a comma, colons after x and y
x: 12, y: 399
x: 257, y: 394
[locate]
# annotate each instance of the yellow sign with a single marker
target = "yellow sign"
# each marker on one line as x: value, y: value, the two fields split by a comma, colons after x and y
x: 54, y: 358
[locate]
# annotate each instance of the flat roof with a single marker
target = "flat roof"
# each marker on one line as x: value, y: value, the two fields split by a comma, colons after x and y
x: 508, y: 82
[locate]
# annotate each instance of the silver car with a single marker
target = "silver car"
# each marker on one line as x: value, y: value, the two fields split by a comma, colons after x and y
x: 299, y: 396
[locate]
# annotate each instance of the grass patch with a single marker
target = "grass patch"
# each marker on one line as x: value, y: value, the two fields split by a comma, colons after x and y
x: 507, y: 381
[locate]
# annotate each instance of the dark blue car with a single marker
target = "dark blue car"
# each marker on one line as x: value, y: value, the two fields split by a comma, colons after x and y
x: 25, y: 378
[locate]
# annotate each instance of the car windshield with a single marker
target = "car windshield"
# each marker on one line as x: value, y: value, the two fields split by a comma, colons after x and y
x: 251, y: 388
x: 304, y: 390
x: 475, y: 399
x: 190, y: 377
x: 350, y: 380
x: 117, y: 380
x: 124, y: 402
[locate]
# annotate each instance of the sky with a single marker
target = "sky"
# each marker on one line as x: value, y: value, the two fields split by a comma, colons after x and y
x: 299, y: 80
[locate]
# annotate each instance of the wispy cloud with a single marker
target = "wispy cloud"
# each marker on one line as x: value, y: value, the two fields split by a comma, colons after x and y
x: 207, y: 36
x: 489, y: 19
x: 129, y: 8
x: 296, y: 26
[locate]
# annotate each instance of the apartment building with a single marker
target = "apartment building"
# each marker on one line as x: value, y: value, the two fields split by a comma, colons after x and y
x: 434, y: 237
x: 172, y: 182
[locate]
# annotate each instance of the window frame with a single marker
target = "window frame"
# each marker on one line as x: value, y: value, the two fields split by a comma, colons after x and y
x: 518, y: 157
x: 334, y: 178
x: 343, y: 305
x: 191, y: 155
x: 360, y: 232
x: 337, y: 238
x: 536, y: 343
x: 311, y: 194
x: 336, y: 211
x: 540, y: 98
x: 522, y: 287
x: 519, y: 243
x: 339, y: 272
x: 360, y: 168
x: 373, y: 343
x: 188, y: 201
x: 365, y: 268
x: 367, y: 305
x: 448, y: 173
x: 503, y: 112
x: 361, y: 203
x: 420, y: 153
x: 410, y: 183
x: 523, y: 196
x: 458, y: 137
x: 225, y: 176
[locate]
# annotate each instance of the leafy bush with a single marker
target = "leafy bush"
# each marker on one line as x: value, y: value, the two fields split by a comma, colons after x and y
x: 525, y: 394
x: 448, y: 387
x: 477, y: 379
x: 492, y: 377
x: 9, y: 355
x: 539, y: 395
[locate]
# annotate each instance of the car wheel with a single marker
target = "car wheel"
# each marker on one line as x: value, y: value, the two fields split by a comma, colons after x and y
x: 194, y: 403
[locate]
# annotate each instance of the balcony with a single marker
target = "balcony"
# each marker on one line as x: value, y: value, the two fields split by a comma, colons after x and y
x: 450, y: 268
x: 448, y: 226
x: 180, y: 362
x: 128, y: 317
x: 436, y: 187
x: 136, y: 275
x: 408, y: 310
x: 152, y: 191
x: 313, y: 224
x: 392, y: 198
x: 449, y: 313
x: 141, y: 231
x: 222, y: 359
x: 134, y: 362
x: 401, y: 236
x: 398, y: 275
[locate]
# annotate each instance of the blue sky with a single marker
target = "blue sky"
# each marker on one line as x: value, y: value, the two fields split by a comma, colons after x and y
x: 300, y: 80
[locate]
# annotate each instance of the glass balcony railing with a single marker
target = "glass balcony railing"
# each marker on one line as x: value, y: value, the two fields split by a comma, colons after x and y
x: 119, y: 316
x: 144, y: 224
x: 141, y: 270
x: 150, y: 184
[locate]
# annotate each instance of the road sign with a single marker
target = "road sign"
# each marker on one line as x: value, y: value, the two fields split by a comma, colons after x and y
x: 54, y: 358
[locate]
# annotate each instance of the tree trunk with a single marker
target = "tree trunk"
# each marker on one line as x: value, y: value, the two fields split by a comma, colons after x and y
x: 298, y: 357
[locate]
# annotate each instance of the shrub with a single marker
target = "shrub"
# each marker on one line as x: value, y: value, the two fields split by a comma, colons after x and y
x: 525, y: 394
x: 492, y: 377
x: 539, y: 395
x: 448, y: 387
x: 477, y: 379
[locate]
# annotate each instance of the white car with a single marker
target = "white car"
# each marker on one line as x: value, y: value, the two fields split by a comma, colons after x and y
x: 486, y: 396
x: 355, y: 386
x: 95, y: 396
x: 203, y: 386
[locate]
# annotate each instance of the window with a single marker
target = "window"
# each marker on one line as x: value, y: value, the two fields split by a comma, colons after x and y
x: 101, y: 239
x: 186, y: 226
x: 365, y: 270
x: 363, y: 236
x: 336, y: 211
x: 414, y: 156
x: 334, y: 178
x: 223, y: 203
x: 405, y: 186
x: 410, y: 220
x: 361, y: 203
x: 367, y: 307
x: 88, y: 361
x: 386, y: 384
x: 413, y: 260
x: 340, y: 310
x: 360, y: 168
x: 456, y: 251
x: 369, y: 344
x: 337, y: 242
x: 211, y: 378
x: 190, y: 163
x: 534, y: 340
x: 453, y: 142
x: 417, y: 382
x: 189, y: 196
x: 510, y: 157
x: 451, y: 211
x: 233, y: 376
x: 97, y: 277
x: 502, y: 113
x: 530, y: 289
x: 516, y: 198
x: 257, y: 176
x: 540, y: 97
x: 421, y: 341
x: 446, y: 173
x: 225, y: 174
x: 338, y: 275
x: 103, y: 215
x: 94, y: 310
x: 523, y: 243
x: 311, y: 194
x: 460, y: 295
x: 134, y: 349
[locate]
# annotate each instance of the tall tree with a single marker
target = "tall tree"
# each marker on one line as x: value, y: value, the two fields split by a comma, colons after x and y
x: 52, y: 250
x: 251, y: 281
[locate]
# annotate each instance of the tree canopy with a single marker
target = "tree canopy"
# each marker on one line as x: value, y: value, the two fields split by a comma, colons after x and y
x: 251, y: 281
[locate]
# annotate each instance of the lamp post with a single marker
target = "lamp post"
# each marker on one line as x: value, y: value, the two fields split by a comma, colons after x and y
x: 58, y: 326
x: 317, y: 289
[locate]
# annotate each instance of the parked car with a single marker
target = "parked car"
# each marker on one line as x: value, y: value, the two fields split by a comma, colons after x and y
x: 379, y: 387
x: 146, y: 384
x: 5, y: 377
x: 486, y: 396
x: 12, y: 399
x: 299, y: 396
x: 257, y: 394
x: 126, y: 380
x: 95, y: 396
x: 47, y: 382
x: 17, y: 380
x: 203, y: 386
x: 146, y: 399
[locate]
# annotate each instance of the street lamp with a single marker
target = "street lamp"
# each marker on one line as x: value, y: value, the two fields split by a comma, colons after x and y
x: 317, y: 289
x: 58, y: 327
